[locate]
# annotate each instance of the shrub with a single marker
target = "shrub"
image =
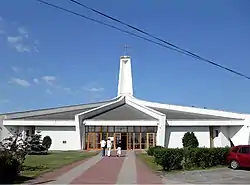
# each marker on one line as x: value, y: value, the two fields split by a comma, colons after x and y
x: 9, y: 168
x: 36, y: 147
x: 12, y: 155
x: 189, y: 158
x: 47, y: 142
x: 189, y: 140
x: 150, y: 150
x: 169, y: 159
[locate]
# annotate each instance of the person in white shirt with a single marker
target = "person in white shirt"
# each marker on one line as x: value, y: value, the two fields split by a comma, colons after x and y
x: 119, y: 148
x: 109, y: 146
x: 103, y: 145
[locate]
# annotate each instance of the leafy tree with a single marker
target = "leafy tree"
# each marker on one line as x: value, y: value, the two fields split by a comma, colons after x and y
x: 47, y: 142
x: 189, y: 140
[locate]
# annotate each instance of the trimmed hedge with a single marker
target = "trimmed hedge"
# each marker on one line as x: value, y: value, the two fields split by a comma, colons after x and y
x: 188, y: 158
x: 151, y: 150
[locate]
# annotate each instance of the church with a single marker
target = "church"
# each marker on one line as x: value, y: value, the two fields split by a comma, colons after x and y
x: 139, y: 124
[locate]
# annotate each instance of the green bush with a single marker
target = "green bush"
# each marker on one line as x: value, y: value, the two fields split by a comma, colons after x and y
x: 189, y: 158
x: 151, y: 150
x: 9, y: 167
x: 169, y: 159
x: 189, y: 140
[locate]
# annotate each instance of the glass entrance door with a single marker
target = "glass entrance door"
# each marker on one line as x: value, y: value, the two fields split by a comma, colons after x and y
x: 117, y: 137
x: 91, y: 141
x: 151, y: 140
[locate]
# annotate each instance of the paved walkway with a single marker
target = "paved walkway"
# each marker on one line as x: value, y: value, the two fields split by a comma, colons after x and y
x: 108, y: 170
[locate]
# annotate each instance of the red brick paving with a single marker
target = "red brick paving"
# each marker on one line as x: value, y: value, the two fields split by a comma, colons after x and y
x: 145, y: 175
x: 105, y: 171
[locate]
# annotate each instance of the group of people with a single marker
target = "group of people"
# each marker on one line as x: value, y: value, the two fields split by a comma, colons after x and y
x: 108, y: 145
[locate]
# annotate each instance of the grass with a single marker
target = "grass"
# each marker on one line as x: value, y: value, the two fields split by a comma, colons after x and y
x: 35, y: 165
x: 149, y: 161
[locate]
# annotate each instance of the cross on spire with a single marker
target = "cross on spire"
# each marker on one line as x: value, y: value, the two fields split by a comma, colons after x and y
x: 126, y: 49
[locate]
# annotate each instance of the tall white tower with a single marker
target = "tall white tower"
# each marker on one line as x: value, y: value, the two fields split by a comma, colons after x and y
x: 125, y: 84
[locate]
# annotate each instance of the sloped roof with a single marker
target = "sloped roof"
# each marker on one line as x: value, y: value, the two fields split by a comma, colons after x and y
x: 179, y: 115
x: 123, y: 112
x: 58, y: 113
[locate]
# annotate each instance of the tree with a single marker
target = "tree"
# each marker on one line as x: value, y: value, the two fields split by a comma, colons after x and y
x: 47, y: 142
x: 36, y: 146
x: 189, y: 140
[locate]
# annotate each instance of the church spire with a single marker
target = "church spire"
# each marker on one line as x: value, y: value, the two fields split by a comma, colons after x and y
x: 125, y: 84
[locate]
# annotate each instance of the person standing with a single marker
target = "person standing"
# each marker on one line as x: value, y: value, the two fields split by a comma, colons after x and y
x: 119, y: 148
x: 103, y: 145
x: 109, y: 146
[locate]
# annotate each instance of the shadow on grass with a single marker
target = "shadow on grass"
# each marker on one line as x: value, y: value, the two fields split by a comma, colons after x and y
x: 21, y: 179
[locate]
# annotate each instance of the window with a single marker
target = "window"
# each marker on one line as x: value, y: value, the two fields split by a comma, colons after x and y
x: 111, y: 129
x: 120, y: 129
x: 91, y: 129
x: 27, y: 133
x: 235, y: 149
x: 98, y: 129
x: 216, y: 133
x: 244, y: 150
x: 104, y: 129
x: 144, y: 129
x: 130, y: 129
x: 137, y: 129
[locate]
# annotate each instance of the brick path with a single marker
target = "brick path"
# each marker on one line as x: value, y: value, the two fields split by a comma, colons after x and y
x: 109, y: 170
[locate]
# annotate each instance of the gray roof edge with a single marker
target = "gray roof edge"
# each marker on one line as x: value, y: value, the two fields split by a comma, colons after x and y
x: 37, y: 112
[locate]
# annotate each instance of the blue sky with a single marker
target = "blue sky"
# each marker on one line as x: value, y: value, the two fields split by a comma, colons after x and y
x: 50, y: 58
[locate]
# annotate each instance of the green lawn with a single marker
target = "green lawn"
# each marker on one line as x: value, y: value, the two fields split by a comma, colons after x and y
x: 35, y: 165
x: 149, y: 161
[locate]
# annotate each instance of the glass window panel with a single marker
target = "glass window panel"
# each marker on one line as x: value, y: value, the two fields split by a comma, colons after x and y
x: 151, y: 129
x: 137, y: 129
x: 144, y: 129
x: 155, y: 129
x: 110, y: 135
x: 86, y: 129
x: 91, y: 128
x: 143, y: 140
x: 137, y: 140
x: 130, y: 129
x: 111, y: 129
x: 104, y: 129
x: 98, y: 128
x: 120, y: 129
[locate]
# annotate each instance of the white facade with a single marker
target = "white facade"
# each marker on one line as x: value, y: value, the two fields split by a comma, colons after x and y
x: 212, y: 128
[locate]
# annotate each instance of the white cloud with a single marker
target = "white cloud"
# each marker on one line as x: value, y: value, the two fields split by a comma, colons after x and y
x: 35, y: 80
x: 48, y: 91
x: 21, y: 48
x: 49, y: 79
x: 95, y: 89
x: 21, y: 42
x: 20, y: 82
x: 15, y: 69
x: 14, y: 40
x: 23, y: 31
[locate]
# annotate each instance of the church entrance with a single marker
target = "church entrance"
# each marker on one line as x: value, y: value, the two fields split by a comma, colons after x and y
x: 132, y: 137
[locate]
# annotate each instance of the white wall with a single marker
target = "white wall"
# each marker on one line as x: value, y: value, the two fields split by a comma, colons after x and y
x: 174, y: 136
x: 60, y: 134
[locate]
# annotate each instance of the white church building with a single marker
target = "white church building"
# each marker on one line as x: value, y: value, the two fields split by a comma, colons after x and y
x: 137, y: 123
